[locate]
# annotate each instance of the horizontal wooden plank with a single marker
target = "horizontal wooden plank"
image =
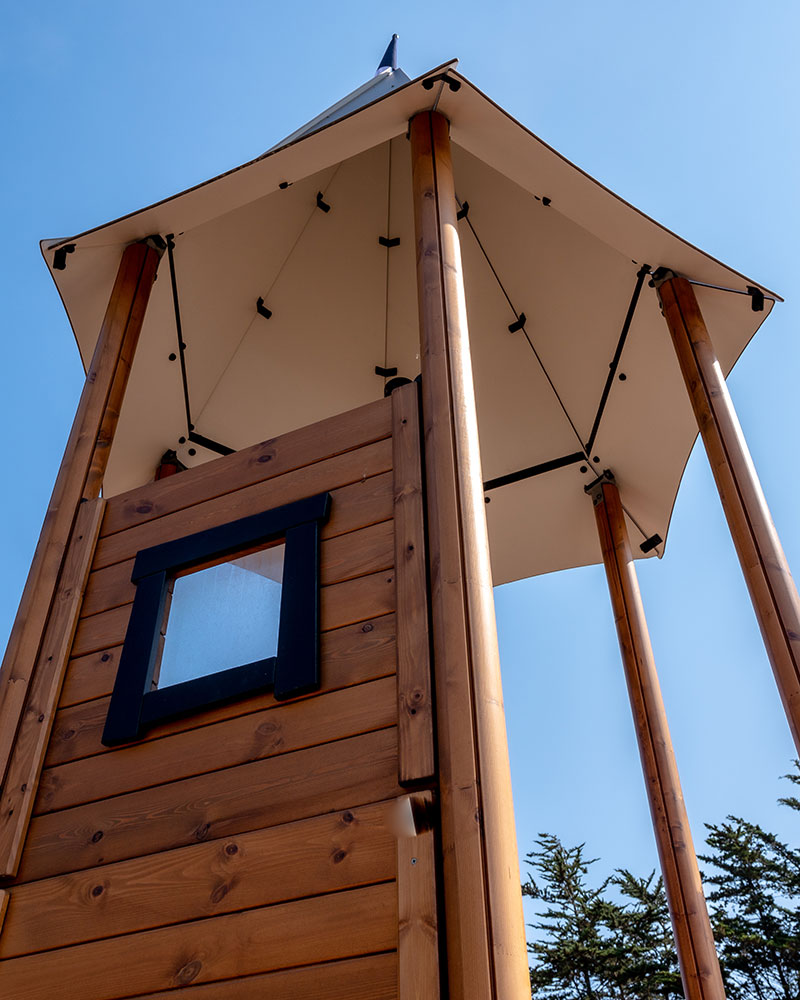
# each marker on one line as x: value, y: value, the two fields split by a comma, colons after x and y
x: 341, y: 925
x: 258, y: 463
x: 357, y: 600
x: 268, y: 733
x: 340, y: 604
x: 312, y: 857
x: 90, y: 676
x: 334, y: 475
x: 222, y: 804
x: 371, y: 978
x: 349, y: 655
x: 366, y: 550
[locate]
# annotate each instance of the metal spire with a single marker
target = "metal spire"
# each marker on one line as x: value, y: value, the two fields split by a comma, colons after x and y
x: 389, y: 60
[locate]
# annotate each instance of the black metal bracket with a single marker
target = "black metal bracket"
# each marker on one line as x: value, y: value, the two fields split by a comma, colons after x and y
x: 60, y: 256
x: 321, y: 203
x: 463, y: 212
x: 389, y: 241
x: 284, y: 184
x: 210, y: 444
x: 156, y: 242
x: 518, y: 324
x: 659, y: 276
x: 385, y: 372
x: 261, y: 309
x: 395, y: 383
x: 454, y: 85
x: 593, y: 490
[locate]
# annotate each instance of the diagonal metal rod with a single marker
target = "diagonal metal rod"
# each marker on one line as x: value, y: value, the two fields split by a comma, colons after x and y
x: 517, y: 316
x: 534, y: 470
x: 641, y: 274
x: 179, y: 330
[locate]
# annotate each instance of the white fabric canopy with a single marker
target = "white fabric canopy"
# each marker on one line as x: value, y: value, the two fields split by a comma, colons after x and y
x: 540, y: 238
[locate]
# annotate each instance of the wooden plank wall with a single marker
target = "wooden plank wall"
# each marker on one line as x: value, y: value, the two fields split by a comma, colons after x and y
x: 252, y: 849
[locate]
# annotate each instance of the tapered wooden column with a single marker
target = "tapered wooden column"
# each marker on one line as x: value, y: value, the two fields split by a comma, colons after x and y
x: 486, y: 950
x: 79, y: 476
x: 687, y: 906
x: 766, y: 572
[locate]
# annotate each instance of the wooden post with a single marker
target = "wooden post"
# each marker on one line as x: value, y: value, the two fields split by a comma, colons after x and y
x: 766, y: 572
x: 694, y: 941
x: 486, y: 950
x: 80, y: 475
x: 33, y: 733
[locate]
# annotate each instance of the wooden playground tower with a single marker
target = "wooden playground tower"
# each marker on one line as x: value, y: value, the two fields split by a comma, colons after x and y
x: 422, y: 351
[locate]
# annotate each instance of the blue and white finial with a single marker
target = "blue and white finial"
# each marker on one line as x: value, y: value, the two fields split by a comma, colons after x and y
x: 389, y: 61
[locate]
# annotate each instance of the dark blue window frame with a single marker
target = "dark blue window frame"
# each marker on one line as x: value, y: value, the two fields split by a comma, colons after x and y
x: 293, y: 671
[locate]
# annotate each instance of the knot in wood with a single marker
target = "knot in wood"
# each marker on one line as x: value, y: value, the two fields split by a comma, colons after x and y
x: 347, y: 817
x: 188, y: 972
x: 231, y: 849
x: 368, y: 627
x: 220, y: 892
x: 98, y: 890
x: 339, y: 856
x: 202, y: 831
x: 97, y: 836
x: 144, y: 508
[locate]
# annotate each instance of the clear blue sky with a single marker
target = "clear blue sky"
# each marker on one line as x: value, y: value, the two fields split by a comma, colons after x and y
x: 687, y: 110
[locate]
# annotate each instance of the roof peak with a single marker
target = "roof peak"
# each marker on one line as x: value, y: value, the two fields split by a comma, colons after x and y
x: 389, y: 60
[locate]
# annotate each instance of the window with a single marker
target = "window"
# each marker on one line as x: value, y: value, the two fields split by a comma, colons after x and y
x: 219, y: 615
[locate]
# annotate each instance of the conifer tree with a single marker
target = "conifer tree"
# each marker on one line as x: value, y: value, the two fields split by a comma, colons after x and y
x: 592, y: 946
x: 755, y: 907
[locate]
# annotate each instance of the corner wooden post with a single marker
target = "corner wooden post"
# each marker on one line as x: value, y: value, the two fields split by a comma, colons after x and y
x: 79, y: 476
x: 697, y: 955
x: 766, y: 572
x: 486, y: 950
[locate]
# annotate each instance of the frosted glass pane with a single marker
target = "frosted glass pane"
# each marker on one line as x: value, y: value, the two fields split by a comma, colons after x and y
x: 223, y: 616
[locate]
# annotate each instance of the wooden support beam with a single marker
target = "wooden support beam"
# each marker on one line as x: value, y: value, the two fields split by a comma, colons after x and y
x: 486, y: 950
x: 80, y: 474
x: 28, y: 753
x: 766, y: 571
x: 414, y: 694
x: 697, y: 955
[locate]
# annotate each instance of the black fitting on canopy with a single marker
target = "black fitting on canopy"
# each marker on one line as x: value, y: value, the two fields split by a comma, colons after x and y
x: 389, y: 241
x: 650, y: 543
x: 321, y: 203
x: 756, y: 298
x: 261, y: 309
x: 518, y: 324
x: 454, y: 85
x: 60, y: 256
